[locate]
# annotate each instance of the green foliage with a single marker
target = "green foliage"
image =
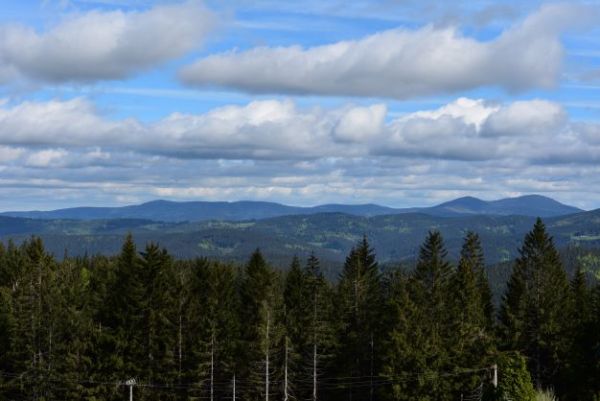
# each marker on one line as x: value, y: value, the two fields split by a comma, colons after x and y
x: 514, y: 380
x: 545, y: 395
x: 263, y: 334
x: 359, y: 305
x: 77, y: 328
x: 534, y: 306
x: 471, y: 337
x: 330, y: 236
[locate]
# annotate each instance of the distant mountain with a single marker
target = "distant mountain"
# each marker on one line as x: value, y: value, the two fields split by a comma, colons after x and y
x: 528, y: 205
x: 161, y: 210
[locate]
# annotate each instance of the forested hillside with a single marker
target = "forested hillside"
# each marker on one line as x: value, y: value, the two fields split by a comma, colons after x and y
x: 330, y: 235
x: 199, y: 329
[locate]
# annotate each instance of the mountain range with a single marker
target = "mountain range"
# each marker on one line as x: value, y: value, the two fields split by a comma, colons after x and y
x: 168, y: 211
x: 396, y: 237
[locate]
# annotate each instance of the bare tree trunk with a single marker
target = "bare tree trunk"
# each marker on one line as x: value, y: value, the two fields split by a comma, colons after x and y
x: 314, y: 392
x: 179, y: 343
x: 285, y: 372
x: 267, y: 357
x: 372, y: 363
x: 212, y: 366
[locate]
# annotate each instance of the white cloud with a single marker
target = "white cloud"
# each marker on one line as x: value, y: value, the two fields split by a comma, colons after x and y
x: 534, y: 117
x: 100, y: 45
x: 358, y: 124
x: 47, y: 158
x: 400, y: 63
x: 466, y: 129
x: 471, y: 111
x: 69, y: 123
x: 8, y: 153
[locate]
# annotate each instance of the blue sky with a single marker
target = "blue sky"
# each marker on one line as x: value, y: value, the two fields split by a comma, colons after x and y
x: 396, y: 102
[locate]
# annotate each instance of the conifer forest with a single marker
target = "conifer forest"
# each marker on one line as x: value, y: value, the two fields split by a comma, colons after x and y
x: 80, y: 328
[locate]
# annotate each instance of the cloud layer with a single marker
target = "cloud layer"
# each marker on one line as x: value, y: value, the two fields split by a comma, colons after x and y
x: 466, y: 129
x: 274, y: 149
x: 102, y: 45
x: 400, y: 63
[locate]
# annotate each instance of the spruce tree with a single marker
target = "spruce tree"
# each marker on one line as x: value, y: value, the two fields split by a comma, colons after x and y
x: 359, y: 305
x: 297, y: 318
x: 533, y: 308
x: 471, y: 316
x: 402, y: 354
x: 158, y: 335
x: 431, y: 292
x: 308, y: 315
x: 580, y: 357
x: 213, y: 329
x: 261, y: 312
x: 34, y: 317
x: 122, y: 336
x: 593, y: 352
x: 320, y: 327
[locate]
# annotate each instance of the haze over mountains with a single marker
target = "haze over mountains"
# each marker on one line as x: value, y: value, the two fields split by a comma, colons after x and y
x: 168, y: 211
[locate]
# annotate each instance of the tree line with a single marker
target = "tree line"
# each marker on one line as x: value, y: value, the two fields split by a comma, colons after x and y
x: 200, y: 329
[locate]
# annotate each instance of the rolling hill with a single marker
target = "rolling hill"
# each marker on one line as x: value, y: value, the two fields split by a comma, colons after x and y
x: 331, y: 235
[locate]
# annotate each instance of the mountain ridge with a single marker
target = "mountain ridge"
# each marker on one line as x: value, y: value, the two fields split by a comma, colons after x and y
x: 194, y: 211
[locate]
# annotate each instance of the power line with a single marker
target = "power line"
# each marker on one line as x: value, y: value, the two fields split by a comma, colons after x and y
x: 328, y: 383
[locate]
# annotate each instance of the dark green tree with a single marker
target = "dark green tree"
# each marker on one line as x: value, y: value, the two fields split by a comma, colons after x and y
x: 360, y: 306
x: 261, y: 311
x: 402, y: 354
x: 297, y: 318
x: 213, y: 329
x: 581, y: 359
x: 514, y: 380
x: 470, y: 294
x: 532, y: 314
x: 431, y: 289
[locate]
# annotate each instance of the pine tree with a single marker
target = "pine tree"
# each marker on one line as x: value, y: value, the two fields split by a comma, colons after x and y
x: 471, y: 316
x: 320, y: 327
x: 157, y: 333
x: 213, y: 328
x: 122, y: 337
x: 308, y: 312
x: 580, y: 361
x: 31, y: 354
x: 401, y: 356
x: 533, y: 307
x: 360, y: 306
x: 297, y: 318
x: 431, y: 292
x: 72, y: 331
x: 7, y: 333
x: 261, y: 312
x: 593, y: 352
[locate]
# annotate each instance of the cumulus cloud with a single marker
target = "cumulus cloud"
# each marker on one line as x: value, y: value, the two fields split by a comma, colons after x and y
x: 102, y: 45
x: 531, y: 131
x: 47, y: 158
x: 534, y: 117
x: 400, y: 63
x: 358, y: 124
x: 65, y: 123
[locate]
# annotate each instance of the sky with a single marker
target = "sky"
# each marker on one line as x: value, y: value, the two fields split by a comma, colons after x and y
x: 395, y: 102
